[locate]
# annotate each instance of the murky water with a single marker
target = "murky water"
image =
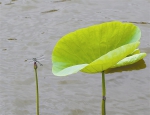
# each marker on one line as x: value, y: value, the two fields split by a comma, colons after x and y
x: 30, y: 28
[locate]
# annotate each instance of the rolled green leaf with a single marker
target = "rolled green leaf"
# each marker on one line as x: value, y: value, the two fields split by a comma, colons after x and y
x: 130, y: 60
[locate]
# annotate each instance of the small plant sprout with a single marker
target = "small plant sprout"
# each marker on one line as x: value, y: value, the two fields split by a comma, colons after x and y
x: 97, y: 48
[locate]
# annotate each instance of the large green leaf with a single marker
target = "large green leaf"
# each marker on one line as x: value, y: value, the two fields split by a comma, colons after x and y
x: 95, y: 48
x: 98, y: 65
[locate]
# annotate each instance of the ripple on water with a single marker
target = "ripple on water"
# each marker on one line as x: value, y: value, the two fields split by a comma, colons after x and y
x: 31, y: 28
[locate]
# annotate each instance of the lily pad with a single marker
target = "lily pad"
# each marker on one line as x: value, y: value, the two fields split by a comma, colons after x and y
x: 95, y: 48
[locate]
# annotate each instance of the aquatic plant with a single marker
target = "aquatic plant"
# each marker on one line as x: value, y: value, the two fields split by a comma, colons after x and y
x: 37, y: 89
x: 35, y: 60
x: 97, y: 48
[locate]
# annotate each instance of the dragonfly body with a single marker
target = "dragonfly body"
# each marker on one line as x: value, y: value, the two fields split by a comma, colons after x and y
x: 35, y: 60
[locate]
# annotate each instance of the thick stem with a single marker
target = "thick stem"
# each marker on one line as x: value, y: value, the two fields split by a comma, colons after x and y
x: 103, y: 94
x: 37, y: 91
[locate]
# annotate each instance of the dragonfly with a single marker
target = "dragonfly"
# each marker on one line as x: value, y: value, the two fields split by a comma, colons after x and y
x: 36, y: 60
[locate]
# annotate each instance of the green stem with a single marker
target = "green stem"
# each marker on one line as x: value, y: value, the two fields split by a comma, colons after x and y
x: 103, y: 94
x: 37, y: 91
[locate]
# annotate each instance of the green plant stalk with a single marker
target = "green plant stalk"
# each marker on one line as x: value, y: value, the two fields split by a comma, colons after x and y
x: 103, y: 94
x: 37, y: 91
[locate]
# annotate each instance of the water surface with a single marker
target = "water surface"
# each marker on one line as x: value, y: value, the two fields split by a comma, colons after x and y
x: 30, y: 28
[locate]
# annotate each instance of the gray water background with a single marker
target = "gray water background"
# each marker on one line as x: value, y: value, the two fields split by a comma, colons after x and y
x: 30, y: 28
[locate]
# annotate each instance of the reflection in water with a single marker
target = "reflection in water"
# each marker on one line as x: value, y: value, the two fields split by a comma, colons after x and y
x: 146, y: 50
